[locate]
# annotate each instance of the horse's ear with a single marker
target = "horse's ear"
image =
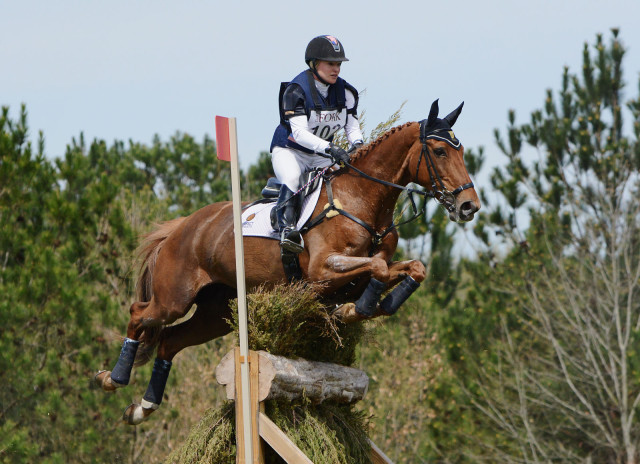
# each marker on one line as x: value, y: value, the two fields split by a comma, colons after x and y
x: 452, y: 117
x: 433, y: 113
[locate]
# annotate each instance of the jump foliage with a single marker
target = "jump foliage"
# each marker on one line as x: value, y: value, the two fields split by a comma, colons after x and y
x: 288, y: 320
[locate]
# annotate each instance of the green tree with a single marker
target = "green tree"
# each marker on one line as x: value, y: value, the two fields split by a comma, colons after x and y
x: 61, y: 232
x: 561, y: 380
x: 257, y: 176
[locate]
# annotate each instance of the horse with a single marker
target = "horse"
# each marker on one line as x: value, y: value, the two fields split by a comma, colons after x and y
x: 191, y: 260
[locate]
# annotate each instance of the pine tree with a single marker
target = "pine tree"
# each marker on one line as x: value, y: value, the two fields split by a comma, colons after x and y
x: 560, y: 296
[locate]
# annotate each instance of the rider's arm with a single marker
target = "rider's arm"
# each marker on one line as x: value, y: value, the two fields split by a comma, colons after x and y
x: 295, y: 114
x: 302, y: 135
x: 352, y: 127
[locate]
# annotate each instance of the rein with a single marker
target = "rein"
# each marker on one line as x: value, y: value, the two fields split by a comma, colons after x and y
x: 443, y: 196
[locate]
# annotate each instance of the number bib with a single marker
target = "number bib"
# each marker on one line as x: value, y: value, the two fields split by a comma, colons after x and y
x: 326, y: 123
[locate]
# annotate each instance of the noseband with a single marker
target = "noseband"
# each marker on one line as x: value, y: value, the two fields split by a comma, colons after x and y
x: 439, y: 192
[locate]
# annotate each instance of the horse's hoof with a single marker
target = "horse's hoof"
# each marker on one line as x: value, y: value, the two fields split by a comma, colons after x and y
x: 136, y: 414
x: 347, y: 314
x: 103, y: 380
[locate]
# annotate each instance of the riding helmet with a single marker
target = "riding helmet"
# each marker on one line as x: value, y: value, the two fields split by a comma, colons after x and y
x: 325, y: 48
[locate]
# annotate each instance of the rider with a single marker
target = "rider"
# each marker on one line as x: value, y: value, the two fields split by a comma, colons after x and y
x: 313, y: 106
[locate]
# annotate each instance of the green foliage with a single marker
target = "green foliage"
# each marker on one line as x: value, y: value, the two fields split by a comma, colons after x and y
x: 68, y: 229
x: 211, y: 440
x: 57, y: 242
x: 289, y: 320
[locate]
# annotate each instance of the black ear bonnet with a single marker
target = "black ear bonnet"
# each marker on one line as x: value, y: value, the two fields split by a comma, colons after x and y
x: 440, y: 129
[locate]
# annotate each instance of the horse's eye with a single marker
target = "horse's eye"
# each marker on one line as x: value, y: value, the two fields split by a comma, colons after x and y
x: 441, y: 152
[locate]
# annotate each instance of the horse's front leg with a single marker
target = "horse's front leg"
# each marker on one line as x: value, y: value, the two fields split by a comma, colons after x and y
x: 407, y: 275
x: 400, y: 270
x: 338, y: 270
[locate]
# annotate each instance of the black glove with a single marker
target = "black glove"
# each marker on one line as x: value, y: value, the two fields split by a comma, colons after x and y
x: 337, y: 154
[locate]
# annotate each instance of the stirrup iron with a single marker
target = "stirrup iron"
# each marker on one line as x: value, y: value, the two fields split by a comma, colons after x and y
x: 291, y: 240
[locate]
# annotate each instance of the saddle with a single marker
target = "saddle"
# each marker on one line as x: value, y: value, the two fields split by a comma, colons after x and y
x: 309, y: 180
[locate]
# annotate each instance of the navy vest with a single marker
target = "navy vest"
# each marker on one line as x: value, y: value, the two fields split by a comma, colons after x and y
x: 326, y: 116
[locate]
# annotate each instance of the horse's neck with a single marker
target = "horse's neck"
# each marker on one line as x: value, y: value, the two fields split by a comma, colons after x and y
x: 386, y: 160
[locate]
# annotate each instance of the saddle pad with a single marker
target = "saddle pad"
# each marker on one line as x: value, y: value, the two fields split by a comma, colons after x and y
x: 256, y: 220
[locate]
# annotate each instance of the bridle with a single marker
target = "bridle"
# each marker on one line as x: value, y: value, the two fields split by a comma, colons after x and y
x: 438, y: 191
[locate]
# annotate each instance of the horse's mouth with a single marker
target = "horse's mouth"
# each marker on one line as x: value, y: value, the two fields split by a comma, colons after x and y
x: 459, y: 218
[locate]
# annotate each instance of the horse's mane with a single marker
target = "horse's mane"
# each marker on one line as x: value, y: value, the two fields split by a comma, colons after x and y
x: 362, y: 152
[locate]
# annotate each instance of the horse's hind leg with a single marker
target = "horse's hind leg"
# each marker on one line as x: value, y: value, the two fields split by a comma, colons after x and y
x: 121, y: 373
x: 207, y: 322
x: 167, y: 304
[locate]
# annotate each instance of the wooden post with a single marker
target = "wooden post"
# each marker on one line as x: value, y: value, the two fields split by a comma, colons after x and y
x: 227, y: 142
x: 256, y: 408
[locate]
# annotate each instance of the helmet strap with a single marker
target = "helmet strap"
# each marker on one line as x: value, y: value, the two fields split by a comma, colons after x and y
x: 312, y: 66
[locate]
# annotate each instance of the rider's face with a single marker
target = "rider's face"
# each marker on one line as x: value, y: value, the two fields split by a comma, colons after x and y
x: 328, y: 70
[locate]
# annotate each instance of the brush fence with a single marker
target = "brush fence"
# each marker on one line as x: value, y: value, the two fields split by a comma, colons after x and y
x: 280, y: 378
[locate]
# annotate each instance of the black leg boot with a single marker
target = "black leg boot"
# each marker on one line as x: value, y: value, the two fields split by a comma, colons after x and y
x: 398, y: 295
x: 366, y: 304
x: 287, y: 213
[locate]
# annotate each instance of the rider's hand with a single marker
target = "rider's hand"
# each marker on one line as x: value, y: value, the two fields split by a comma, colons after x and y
x: 357, y: 144
x: 338, y: 154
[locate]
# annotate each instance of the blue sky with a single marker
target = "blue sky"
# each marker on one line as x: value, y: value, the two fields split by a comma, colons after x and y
x: 129, y: 70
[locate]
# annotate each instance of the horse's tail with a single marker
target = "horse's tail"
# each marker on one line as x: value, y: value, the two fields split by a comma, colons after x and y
x: 147, y: 253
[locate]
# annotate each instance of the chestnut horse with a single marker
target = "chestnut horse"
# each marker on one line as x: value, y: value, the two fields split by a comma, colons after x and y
x: 191, y: 260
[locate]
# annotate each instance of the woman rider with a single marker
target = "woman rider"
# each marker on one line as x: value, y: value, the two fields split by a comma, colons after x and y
x: 313, y: 106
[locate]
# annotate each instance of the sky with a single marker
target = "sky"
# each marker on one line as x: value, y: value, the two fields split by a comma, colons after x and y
x: 130, y: 70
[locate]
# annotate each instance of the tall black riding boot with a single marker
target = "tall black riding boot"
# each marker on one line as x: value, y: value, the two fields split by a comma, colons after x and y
x: 287, y: 213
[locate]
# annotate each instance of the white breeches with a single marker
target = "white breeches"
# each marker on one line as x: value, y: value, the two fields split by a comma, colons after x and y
x: 289, y: 164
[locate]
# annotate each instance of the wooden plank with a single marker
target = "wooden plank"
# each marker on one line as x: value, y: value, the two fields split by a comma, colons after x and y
x: 240, y: 439
x: 280, y: 442
x: 254, y: 364
x: 377, y: 456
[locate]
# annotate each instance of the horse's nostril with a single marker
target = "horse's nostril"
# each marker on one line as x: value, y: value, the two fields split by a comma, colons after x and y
x: 468, y: 208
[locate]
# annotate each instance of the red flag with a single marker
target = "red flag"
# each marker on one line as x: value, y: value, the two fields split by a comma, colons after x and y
x: 222, y: 138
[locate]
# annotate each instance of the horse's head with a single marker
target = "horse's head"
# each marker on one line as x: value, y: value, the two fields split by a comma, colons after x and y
x: 440, y: 166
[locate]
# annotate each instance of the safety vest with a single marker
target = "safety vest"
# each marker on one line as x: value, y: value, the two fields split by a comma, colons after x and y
x: 325, y: 115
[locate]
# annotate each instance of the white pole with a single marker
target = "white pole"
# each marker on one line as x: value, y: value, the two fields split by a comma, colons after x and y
x: 242, y: 292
